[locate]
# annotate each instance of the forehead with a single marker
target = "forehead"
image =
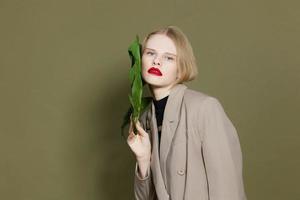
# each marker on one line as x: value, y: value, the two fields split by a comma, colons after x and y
x: 161, y: 43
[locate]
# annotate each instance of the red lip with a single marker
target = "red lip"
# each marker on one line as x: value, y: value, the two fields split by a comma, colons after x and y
x: 155, y: 71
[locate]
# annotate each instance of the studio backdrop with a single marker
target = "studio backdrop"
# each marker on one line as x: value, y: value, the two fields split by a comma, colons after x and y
x: 64, y: 89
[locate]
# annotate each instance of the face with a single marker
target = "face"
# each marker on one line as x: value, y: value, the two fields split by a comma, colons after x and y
x: 159, y: 67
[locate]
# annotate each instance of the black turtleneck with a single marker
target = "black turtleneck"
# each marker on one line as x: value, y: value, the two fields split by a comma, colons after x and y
x: 159, y: 113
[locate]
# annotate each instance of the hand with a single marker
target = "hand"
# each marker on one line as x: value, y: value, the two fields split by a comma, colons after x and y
x: 139, y: 143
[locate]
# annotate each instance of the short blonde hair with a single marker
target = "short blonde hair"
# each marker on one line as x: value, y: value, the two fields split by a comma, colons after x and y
x: 186, y: 62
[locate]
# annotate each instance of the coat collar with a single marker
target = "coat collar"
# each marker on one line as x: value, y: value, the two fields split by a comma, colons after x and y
x: 170, y: 122
x: 173, y: 102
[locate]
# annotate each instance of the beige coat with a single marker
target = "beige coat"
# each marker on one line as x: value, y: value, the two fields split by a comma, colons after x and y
x: 200, y: 156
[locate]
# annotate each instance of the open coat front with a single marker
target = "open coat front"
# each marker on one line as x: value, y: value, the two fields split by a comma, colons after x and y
x: 200, y: 156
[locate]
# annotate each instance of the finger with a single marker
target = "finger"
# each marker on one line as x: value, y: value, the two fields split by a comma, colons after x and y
x: 131, y: 137
x: 140, y: 129
x: 130, y: 127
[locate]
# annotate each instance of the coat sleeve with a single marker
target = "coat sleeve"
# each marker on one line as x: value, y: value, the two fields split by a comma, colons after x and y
x: 143, y: 187
x: 222, y: 154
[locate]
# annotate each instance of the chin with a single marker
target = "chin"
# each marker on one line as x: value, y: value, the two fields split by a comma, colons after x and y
x: 155, y: 84
x: 153, y: 81
x: 158, y: 84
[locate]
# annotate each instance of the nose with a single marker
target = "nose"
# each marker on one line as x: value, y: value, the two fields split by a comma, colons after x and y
x: 156, y: 61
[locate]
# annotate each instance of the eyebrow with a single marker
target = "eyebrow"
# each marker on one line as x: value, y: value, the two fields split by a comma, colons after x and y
x: 166, y: 52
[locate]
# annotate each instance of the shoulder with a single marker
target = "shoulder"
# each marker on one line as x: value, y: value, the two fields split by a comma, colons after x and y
x: 197, y: 105
x: 202, y: 106
x: 204, y: 110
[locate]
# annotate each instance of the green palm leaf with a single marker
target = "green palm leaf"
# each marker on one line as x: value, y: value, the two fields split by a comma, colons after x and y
x: 138, y: 103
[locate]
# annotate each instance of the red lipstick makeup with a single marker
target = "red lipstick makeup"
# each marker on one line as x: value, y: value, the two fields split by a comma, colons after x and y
x: 155, y: 71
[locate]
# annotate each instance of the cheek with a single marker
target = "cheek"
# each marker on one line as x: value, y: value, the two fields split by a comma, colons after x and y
x: 145, y: 63
x: 173, y: 72
x: 144, y: 66
x: 173, y: 69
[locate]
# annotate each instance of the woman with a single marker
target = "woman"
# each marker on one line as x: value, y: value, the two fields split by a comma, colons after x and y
x: 186, y: 146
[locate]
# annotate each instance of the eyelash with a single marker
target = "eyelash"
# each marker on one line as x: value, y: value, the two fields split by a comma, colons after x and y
x: 151, y: 53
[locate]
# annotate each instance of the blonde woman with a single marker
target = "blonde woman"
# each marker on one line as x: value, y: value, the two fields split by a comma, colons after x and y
x: 186, y: 146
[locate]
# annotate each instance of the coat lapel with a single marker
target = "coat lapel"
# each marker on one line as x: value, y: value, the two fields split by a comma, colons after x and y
x: 170, y: 122
x: 155, y: 165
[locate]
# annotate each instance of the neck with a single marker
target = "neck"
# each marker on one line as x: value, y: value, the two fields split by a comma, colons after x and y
x: 160, y: 92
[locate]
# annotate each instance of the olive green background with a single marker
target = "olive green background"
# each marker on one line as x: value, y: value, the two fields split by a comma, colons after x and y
x: 64, y: 83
